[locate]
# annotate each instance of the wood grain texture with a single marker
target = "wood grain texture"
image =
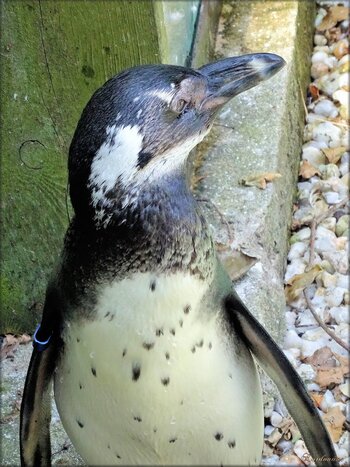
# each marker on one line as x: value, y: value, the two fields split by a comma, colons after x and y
x: 55, y: 54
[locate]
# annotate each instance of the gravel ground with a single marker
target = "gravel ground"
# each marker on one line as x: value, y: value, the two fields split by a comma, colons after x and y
x: 317, y: 265
x: 317, y: 274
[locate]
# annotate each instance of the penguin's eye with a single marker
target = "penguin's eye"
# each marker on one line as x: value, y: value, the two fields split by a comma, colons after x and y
x: 180, y: 105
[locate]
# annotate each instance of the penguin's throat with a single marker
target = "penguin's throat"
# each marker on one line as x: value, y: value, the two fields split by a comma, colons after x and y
x: 165, y: 204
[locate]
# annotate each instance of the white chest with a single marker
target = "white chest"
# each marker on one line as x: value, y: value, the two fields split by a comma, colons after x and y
x: 154, y: 380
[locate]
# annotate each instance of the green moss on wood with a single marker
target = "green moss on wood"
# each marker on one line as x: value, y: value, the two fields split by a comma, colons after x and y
x: 55, y: 54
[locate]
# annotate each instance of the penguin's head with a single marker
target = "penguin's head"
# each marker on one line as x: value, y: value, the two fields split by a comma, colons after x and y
x: 140, y: 125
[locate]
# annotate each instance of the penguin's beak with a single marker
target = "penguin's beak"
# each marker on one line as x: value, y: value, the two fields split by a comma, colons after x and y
x: 231, y: 76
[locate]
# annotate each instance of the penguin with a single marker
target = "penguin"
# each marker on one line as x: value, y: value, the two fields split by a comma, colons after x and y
x: 150, y: 350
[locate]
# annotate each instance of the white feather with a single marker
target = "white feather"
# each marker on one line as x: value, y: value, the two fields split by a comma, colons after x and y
x: 210, y: 391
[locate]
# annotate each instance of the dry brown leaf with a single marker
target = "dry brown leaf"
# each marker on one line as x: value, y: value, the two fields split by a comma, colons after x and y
x: 236, y: 262
x: 314, y: 91
x: 317, y: 398
x: 299, y: 282
x: 260, y: 180
x: 334, y: 15
x: 327, y: 376
x: 307, y: 170
x: 322, y: 357
x: 24, y: 339
x: 333, y: 35
x: 344, y: 362
x: 9, y: 346
x: 334, y: 420
x: 333, y: 154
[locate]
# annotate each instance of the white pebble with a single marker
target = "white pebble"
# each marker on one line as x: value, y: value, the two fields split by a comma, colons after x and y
x: 306, y: 372
x: 327, y: 132
x: 319, y: 57
x: 296, y: 267
x: 314, y: 118
x: 344, y: 81
x: 331, y: 62
x: 276, y: 419
x: 271, y: 460
x: 313, y: 155
x: 342, y: 280
x: 328, y: 401
x: 302, y: 234
x: 319, y: 39
x: 340, y: 314
x: 341, y: 96
x: 328, y: 171
x: 326, y: 108
x: 344, y: 163
x: 313, y: 387
x: 290, y: 318
x: 322, y: 232
x: 308, y: 348
x: 329, y: 280
x: 297, y: 250
x: 331, y: 197
x: 319, y: 69
x: 325, y: 244
x: 329, y: 223
x: 268, y: 430
x: 285, y: 445
x: 292, y: 340
x: 334, y: 296
x: 329, y: 83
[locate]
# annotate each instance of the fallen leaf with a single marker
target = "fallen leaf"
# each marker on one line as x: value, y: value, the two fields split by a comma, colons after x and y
x: 24, y: 339
x: 260, y: 180
x: 322, y: 357
x: 314, y: 91
x: 328, y: 376
x: 334, y: 15
x: 236, y: 262
x: 9, y: 346
x: 334, y: 420
x: 333, y: 35
x: 317, y: 398
x: 307, y: 170
x: 299, y: 282
x: 344, y: 362
x: 333, y: 154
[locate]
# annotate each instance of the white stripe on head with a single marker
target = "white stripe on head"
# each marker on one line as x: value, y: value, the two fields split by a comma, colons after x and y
x: 165, y: 96
x: 115, y: 160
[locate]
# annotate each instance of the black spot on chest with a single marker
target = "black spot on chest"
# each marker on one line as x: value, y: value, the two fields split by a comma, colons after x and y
x: 148, y: 345
x: 136, y: 371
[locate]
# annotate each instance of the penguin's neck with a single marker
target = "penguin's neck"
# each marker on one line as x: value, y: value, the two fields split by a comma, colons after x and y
x: 160, y: 207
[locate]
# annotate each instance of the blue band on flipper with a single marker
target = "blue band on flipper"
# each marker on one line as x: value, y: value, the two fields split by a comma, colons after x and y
x: 40, y: 345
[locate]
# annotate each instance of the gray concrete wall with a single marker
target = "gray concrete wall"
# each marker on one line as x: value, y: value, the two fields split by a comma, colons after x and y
x: 262, y: 132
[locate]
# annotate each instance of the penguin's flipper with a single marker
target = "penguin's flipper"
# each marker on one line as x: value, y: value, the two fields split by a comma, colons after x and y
x: 291, y: 387
x: 35, y: 446
x: 36, y: 410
